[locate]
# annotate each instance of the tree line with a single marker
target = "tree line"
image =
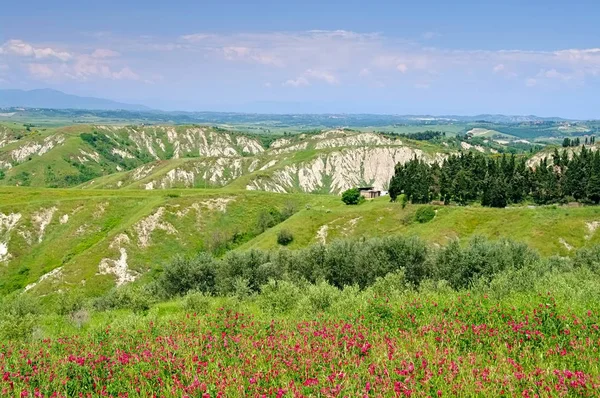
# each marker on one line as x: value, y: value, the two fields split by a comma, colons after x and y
x: 568, y: 142
x: 498, y: 181
x: 427, y: 135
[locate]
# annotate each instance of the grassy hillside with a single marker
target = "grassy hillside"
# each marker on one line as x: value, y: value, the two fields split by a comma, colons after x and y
x: 164, y: 157
x: 550, y: 230
x: 102, y: 238
x: 61, y: 239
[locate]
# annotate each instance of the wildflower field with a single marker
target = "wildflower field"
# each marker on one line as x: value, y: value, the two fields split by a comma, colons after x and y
x: 485, y: 319
x: 465, y: 346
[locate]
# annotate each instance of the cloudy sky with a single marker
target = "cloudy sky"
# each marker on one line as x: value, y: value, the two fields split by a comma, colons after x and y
x: 425, y: 57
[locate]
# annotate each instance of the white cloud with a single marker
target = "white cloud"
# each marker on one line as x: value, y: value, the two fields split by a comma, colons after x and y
x: 23, y: 49
x: 247, y: 54
x: 197, y: 37
x: 105, y: 53
x: 311, y: 75
x: 554, y: 74
x: 125, y: 74
x: 41, y: 71
x: 86, y: 67
x: 402, y: 68
x: 299, y: 82
x: 294, y: 59
x: 326, y: 76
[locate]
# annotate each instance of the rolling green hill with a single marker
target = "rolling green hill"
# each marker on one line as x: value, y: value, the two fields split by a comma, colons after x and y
x: 126, y: 199
x: 53, y: 239
x: 202, y: 157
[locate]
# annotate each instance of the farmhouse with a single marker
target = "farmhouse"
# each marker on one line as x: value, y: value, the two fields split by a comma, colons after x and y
x: 369, y: 192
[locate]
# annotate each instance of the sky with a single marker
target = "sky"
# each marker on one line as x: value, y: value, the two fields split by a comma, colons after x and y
x: 387, y: 57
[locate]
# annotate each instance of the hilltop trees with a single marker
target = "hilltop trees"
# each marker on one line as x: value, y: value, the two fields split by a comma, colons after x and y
x: 499, y: 181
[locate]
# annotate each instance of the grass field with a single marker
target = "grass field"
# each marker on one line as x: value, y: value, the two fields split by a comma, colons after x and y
x: 539, y: 338
x: 77, y: 230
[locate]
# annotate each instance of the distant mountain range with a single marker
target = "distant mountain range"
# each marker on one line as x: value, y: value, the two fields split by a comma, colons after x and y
x: 54, y: 99
x: 46, y: 99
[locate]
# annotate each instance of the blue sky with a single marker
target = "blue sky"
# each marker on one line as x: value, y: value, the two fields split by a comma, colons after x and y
x: 426, y: 57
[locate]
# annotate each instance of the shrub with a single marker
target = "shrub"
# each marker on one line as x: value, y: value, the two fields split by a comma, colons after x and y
x: 481, y: 259
x: 184, y: 274
x: 352, y: 196
x: 424, y: 214
x: 241, y: 288
x: 138, y: 299
x: 197, y: 302
x: 289, y: 209
x: 390, y: 285
x: 403, y: 200
x: 79, y: 317
x: 589, y: 257
x: 284, y: 237
x: 18, y: 317
x: 69, y: 302
x: 240, y: 265
x: 321, y: 296
x: 279, y: 297
x: 268, y: 271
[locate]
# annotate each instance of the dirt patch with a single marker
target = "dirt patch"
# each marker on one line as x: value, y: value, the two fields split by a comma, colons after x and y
x: 4, y: 254
x: 118, y: 268
x: 119, y: 241
x: 148, y: 225
x: 565, y: 244
x: 54, y: 274
x: 41, y: 220
x: 100, y: 210
x: 591, y: 227
x: 217, y: 204
x: 322, y: 234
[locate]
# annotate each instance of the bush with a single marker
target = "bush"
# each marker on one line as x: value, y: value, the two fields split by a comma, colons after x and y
x: 241, y: 288
x: 279, y: 297
x: 138, y: 299
x: 284, y: 237
x: 403, y: 200
x: 424, y: 214
x: 196, y: 302
x: 481, y: 259
x: 268, y: 271
x: 243, y: 266
x: 69, y: 302
x: 352, y: 196
x: 184, y: 274
x: 79, y: 317
x: 320, y: 297
x: 18, y: 317
x: 392, y: 284
x: 589, y: 257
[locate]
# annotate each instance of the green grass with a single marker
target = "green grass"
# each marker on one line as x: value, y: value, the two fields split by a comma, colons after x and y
x: 542, y: 227
x: 518, y: 336
x: 80, y: 244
